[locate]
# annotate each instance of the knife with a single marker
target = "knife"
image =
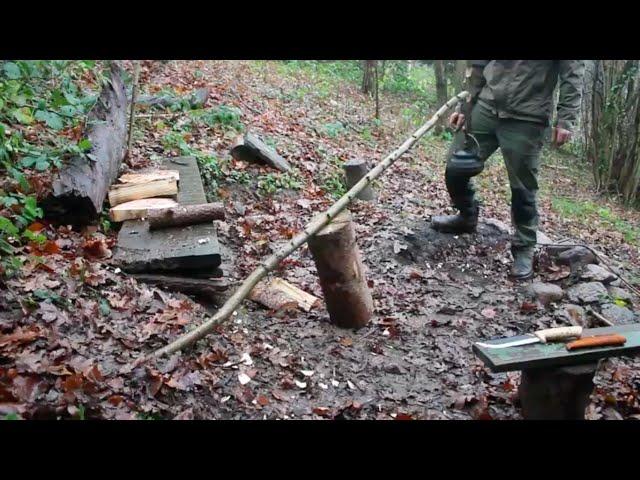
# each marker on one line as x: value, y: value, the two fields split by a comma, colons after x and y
x: 541, y: 336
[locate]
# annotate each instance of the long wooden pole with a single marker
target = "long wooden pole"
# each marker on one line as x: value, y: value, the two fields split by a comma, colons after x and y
x: 313, y: 227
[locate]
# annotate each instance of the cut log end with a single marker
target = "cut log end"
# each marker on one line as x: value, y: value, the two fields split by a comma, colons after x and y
x: 251, y: 149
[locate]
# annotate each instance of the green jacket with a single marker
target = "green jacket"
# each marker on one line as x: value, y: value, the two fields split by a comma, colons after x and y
x: 523, y: 89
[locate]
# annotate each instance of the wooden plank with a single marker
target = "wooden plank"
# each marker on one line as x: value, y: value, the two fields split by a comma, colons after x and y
x: 181, y: 248
x: 540, y: 355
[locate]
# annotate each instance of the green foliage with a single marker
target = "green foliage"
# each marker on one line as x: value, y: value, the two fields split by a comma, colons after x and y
x: 333, y: 130
x: 587, y: 209
x: 335, y: 184
x: 272, y: 182
x: 46, y: 96
x: 222, y: 115
x: 12, y: 416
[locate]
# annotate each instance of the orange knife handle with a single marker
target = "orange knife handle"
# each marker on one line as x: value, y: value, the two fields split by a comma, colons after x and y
x: 597, y: 341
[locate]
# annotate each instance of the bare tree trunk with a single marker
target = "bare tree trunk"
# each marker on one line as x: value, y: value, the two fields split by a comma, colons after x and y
x: 368, y: 67
x: 441, y: 89
x: 377, y: 95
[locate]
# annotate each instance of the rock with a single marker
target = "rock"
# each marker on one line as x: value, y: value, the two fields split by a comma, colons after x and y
x: 557, y: 248
x: 543, y: 239
x: 618, y: 293
x: 501, y: 226
x: 577, y: 255
x: 616, y: 283
x: 589, y: 292
x: 616, y: 314
x: 596, y: 273
x: 575, y: 314
x: 546, y: 292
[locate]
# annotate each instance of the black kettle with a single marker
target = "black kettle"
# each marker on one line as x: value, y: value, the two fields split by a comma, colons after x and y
x: 466, y: 162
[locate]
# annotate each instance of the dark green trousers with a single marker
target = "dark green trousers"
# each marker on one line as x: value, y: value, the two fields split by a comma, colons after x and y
x: 520, y: 143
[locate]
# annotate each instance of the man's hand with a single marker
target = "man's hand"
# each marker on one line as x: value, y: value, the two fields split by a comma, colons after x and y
x: 560, y: 136
x: 456, y: 120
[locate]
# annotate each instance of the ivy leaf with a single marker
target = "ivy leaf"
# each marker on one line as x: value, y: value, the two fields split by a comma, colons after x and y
x: 104, y: 307
x: 52, y: 120
x: 23, y: 115
x: 84, y: 144
x: 12, y: 71
x: 68, y: 111
x: 7, y: 226
x: 6, y: 247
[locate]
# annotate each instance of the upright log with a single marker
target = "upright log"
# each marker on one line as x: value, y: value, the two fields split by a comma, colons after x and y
x: 561, y: 393
x: 341, y: 273
x: 355, y: 170
x: 80, y: 187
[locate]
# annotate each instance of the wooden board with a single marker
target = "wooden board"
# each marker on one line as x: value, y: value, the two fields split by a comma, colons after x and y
x: 539, y: 355
x: 172, y: 249
x: 139, y: 208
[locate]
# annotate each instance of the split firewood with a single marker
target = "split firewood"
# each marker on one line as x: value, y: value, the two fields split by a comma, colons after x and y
x: 155, y: 188
x: 278, y: 293
x: 136, y: 209
x: 146, y: 177
x: 183, y: 215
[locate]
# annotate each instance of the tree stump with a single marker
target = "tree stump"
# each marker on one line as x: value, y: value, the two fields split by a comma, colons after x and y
x: 354, y: 170
x: 341, y: 273
x: 556, y: 393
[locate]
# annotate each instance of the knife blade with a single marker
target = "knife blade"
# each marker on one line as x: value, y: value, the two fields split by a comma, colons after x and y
x: 541, y: 336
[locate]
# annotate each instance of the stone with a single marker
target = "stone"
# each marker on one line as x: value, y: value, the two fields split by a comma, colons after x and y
x: 575, y: 314
x: 588, y: 292
x: 494, y: 222
x: 542, y: 239
x: 618, y: 293
x: 546, y: 293
x: 596, y: 273
x: 617, y: 314
x: 557, y: 248
x: 577, y: 255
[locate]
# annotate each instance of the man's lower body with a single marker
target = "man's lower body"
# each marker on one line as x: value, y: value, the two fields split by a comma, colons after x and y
x: 520, y: 143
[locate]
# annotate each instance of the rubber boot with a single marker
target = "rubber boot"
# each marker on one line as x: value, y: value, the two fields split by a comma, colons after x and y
x: 522, y: 268
x: 465, y: 222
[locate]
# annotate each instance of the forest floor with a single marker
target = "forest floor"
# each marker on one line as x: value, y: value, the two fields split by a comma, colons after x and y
x: 434, y: 294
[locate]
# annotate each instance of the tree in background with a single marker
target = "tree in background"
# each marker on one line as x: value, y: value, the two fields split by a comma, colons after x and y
x: 368, y: 76
x: 611, y: 126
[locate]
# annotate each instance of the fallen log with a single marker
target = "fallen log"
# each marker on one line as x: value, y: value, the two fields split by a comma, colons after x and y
x: 313, y: 227
x: 341, y: 273
x: 183, y: 215
x: 136, y: 191
x: 210, y: 288
x: 80, y: 187
x: 139, y: 208
x: 250, y: 148
x: 197, y: 99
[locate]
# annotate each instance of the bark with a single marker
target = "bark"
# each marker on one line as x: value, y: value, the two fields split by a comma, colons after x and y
x: 80, y: 187
x: 251, y: 149
x: 341, y: 273
x: 368, y: 68
x: 441, y: 88
x: 184, y: 215
x: 354, y: 171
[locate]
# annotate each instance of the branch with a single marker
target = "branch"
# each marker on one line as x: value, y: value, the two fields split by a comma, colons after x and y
x: 313, y: 227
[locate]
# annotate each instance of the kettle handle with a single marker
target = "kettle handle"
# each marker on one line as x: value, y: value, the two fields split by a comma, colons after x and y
x: 475, y: 140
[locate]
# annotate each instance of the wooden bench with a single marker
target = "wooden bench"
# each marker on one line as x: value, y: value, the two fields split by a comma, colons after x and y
x: 193, y: 248
x: 556, y: 383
